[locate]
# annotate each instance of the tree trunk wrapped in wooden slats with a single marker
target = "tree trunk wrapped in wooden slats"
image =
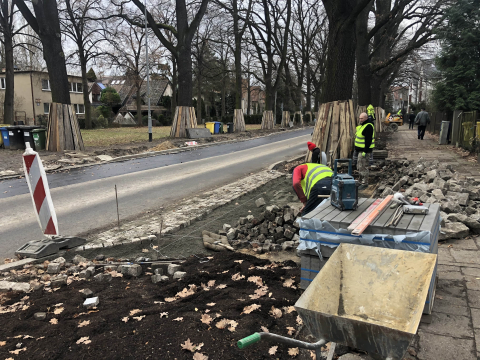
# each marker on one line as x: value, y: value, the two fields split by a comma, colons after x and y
x: 298, y: 115
x: 184, y: 119
x: 238, y: 120
x: 334, y: 131
x: 285, y: 119
x: 267, y: 120
x: 63, y: 130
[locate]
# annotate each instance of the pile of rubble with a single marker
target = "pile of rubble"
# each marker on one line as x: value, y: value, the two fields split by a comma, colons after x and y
x: 434, y: 182
x: 52, y: 275
x: 274, y: 229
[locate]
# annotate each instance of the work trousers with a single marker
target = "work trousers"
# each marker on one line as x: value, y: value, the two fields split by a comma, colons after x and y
x: 421, y: 131
x: 355, y: 157
x: 321, y: 187
x: 410, y: 125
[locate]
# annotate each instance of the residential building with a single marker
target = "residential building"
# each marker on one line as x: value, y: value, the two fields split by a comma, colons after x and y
x: 421, y: 82
x: 257, y: 99
x: 397, y: 98
x: 33, y: 95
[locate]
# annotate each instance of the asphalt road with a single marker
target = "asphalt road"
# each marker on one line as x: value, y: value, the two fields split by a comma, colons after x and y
x: 84, y: 199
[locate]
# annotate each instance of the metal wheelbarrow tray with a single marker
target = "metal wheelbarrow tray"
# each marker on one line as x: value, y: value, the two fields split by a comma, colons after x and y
x: 368, y: 298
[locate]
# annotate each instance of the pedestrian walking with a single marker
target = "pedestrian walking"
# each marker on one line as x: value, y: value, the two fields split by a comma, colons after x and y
x: 422, y: 120
x: 411, y: 120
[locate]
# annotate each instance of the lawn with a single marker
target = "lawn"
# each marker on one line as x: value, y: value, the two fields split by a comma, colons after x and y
x: 126, y: 135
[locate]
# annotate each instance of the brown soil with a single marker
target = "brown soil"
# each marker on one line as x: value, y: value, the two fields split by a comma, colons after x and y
x: 156, y: 335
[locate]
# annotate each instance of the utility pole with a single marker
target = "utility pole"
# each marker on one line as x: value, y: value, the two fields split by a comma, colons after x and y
x: 148, y: 76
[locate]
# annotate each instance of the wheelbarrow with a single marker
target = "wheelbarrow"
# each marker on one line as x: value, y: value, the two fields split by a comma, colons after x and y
x: 368, y: 298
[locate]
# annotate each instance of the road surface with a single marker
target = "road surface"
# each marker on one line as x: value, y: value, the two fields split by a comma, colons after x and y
x: 84, y: 199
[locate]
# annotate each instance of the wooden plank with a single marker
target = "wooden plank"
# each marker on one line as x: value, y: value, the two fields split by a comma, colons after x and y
x: 372, y: 216
x: 74, y: 124
x: 335, y: 126
x: 49, y: 128
x: 341, y: 129
x: 68, y: 130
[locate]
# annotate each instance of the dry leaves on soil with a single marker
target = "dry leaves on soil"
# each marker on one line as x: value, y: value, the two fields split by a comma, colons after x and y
x: 135, y: 311
x: 199, y: 356
x: 291, y: 330
x: 237, y: 277
x: 16, y: 352
x: 125, y: 319
x: 211, y: 283
x: 206, y: 319
x: 188, y: 345
x: 170, y: 299
x: 289, y: 309
x: 264, y: 329
x: 238, y: 261
x: 222, y: 324
x: 178, y: 319
x: 276, y: 313
x: 84, y: 323
x: 250, y: 308
x: 84, y: 340
x: 293, y: 352
x: 3, y: 343
x: 54, y: 321
x: 138, y: 318
x: 272, y: 350
x: 221, y: 286
x: 186, y: 292
x: 256, y: 280
x: 289, y: 283
x: 299, y: 320
x: 211, y: 304
x: 58, y: 310
x: 164, y: 314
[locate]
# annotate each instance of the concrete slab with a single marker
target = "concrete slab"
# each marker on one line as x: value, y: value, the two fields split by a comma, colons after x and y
x: 444, y: 256
x: 449, y: 325
x: 198, y: 133
x: 444, y: 306
x: 448, y: 268
x: 470, y: 271
x: 472, y: 282
x: 476, y: 319
x: 474, y: 298
x: 466, y: 244
x: 16, y: 264
x: 437, y: 347
x: 450, y: 275
x: 465, y: 256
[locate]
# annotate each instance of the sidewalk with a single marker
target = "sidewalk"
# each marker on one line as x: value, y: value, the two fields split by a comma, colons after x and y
x: 454, y: 331
x: 405, y: 144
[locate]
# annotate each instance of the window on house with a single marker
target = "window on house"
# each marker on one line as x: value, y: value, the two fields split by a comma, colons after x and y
x: 79, y: 87
x: 2, y: 83
x: 75, y: 87
x: 79, y: 108
x: 46, y: 108
x: 45, y: 85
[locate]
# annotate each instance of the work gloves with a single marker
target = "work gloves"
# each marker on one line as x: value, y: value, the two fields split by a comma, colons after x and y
x: 363, y: 154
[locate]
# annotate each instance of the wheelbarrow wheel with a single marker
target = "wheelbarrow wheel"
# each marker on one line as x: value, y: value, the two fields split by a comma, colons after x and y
x: 394, y: 127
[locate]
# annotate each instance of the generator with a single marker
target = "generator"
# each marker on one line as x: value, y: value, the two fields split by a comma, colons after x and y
x: 344, y: 193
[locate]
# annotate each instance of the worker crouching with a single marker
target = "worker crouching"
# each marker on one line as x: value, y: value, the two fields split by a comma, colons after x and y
x: 309, y: 181
x: 364, y: 145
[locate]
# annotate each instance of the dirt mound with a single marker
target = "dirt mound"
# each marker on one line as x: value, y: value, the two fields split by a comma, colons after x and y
x: 220, y: 292
x: 166, y: 145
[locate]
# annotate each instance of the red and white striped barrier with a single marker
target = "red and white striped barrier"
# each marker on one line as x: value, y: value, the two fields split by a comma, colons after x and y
x: 38, y: 185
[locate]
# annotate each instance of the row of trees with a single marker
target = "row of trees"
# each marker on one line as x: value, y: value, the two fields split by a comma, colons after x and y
x: 295, y: 50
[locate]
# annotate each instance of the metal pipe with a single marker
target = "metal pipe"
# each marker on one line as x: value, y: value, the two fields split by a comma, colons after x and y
x: 292, y: 342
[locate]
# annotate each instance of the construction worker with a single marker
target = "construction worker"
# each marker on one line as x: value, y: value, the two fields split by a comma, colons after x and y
x: 315, y: 152
x: 309, y: 181
x: 364, y: 145
x: 399, y: 113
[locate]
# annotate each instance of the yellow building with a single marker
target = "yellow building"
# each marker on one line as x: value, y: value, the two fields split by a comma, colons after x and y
x: 33, y: 95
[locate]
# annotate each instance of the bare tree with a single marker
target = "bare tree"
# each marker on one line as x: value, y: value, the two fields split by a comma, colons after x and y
x: 80, y: 23
x: 46, y: 24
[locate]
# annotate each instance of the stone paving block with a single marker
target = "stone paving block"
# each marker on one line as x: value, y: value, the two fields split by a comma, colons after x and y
x: 474, y: 298
x: 476, y: 319
x: 449, y: 325
x: 179, y: 275
x: 472, y: 282
x: 445, y: 307
x: 54, y: 268
x: 465, y: 256
x: 471, y: 271
x: 437, y: 347
x: 448, y: 268
x: 450, y: 275
x: 173, y: 268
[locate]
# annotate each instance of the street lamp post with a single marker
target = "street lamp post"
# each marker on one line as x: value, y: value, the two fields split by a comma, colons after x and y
x: 148, y: 77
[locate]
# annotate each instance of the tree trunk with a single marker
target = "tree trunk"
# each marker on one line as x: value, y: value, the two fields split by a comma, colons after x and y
x: 86, y: 99
x: 363, y: 61
x: 174, y: 86
x: 340, y: 66
x: 184, y: 75
x: 309, y: 88
x: 139, y: 105
x: 8, y: 104
x: 49, y: 32
x: 249, y: 99
x: 238, y: 58
x: 224, y: 94
x: 199, y: 99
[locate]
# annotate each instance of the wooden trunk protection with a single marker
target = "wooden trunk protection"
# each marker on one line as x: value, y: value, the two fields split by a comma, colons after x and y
x: 183, y: 119
x: 334, y: 132
x: 63, y: 129
x: 238, y: 120
x: 285, y: 119
x: 267, y: 120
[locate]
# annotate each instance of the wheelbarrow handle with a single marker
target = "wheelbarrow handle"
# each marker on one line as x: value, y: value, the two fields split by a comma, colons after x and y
x: 249, y: 340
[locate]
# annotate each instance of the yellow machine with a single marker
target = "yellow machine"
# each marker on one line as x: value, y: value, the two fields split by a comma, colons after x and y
x: 392, y: 122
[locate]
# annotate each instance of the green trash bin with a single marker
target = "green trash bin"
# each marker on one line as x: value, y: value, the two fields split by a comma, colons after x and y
x: 39, y: 139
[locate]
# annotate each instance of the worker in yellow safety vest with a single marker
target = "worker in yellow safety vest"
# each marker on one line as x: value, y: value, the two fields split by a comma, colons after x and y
x: 309, y: 181
x: 364, y: 145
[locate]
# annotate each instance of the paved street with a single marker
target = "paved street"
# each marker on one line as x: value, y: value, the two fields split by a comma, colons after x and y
x: 454, y: 332
x: 86, y: 205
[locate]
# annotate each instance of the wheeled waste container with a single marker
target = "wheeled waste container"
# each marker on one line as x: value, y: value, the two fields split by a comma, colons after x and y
x: 230, y: 127
x: 5, y: 137
x: 28, y: 135
x: 15, y: 134
x: 210, y: 126
x: 39, y: 138
x: 217, y: 127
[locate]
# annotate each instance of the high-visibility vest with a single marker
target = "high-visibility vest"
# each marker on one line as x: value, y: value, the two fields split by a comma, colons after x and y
x: 360, y: 139
x: 315, y: 173
x: 371, y: 111
x: 399, y: 112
